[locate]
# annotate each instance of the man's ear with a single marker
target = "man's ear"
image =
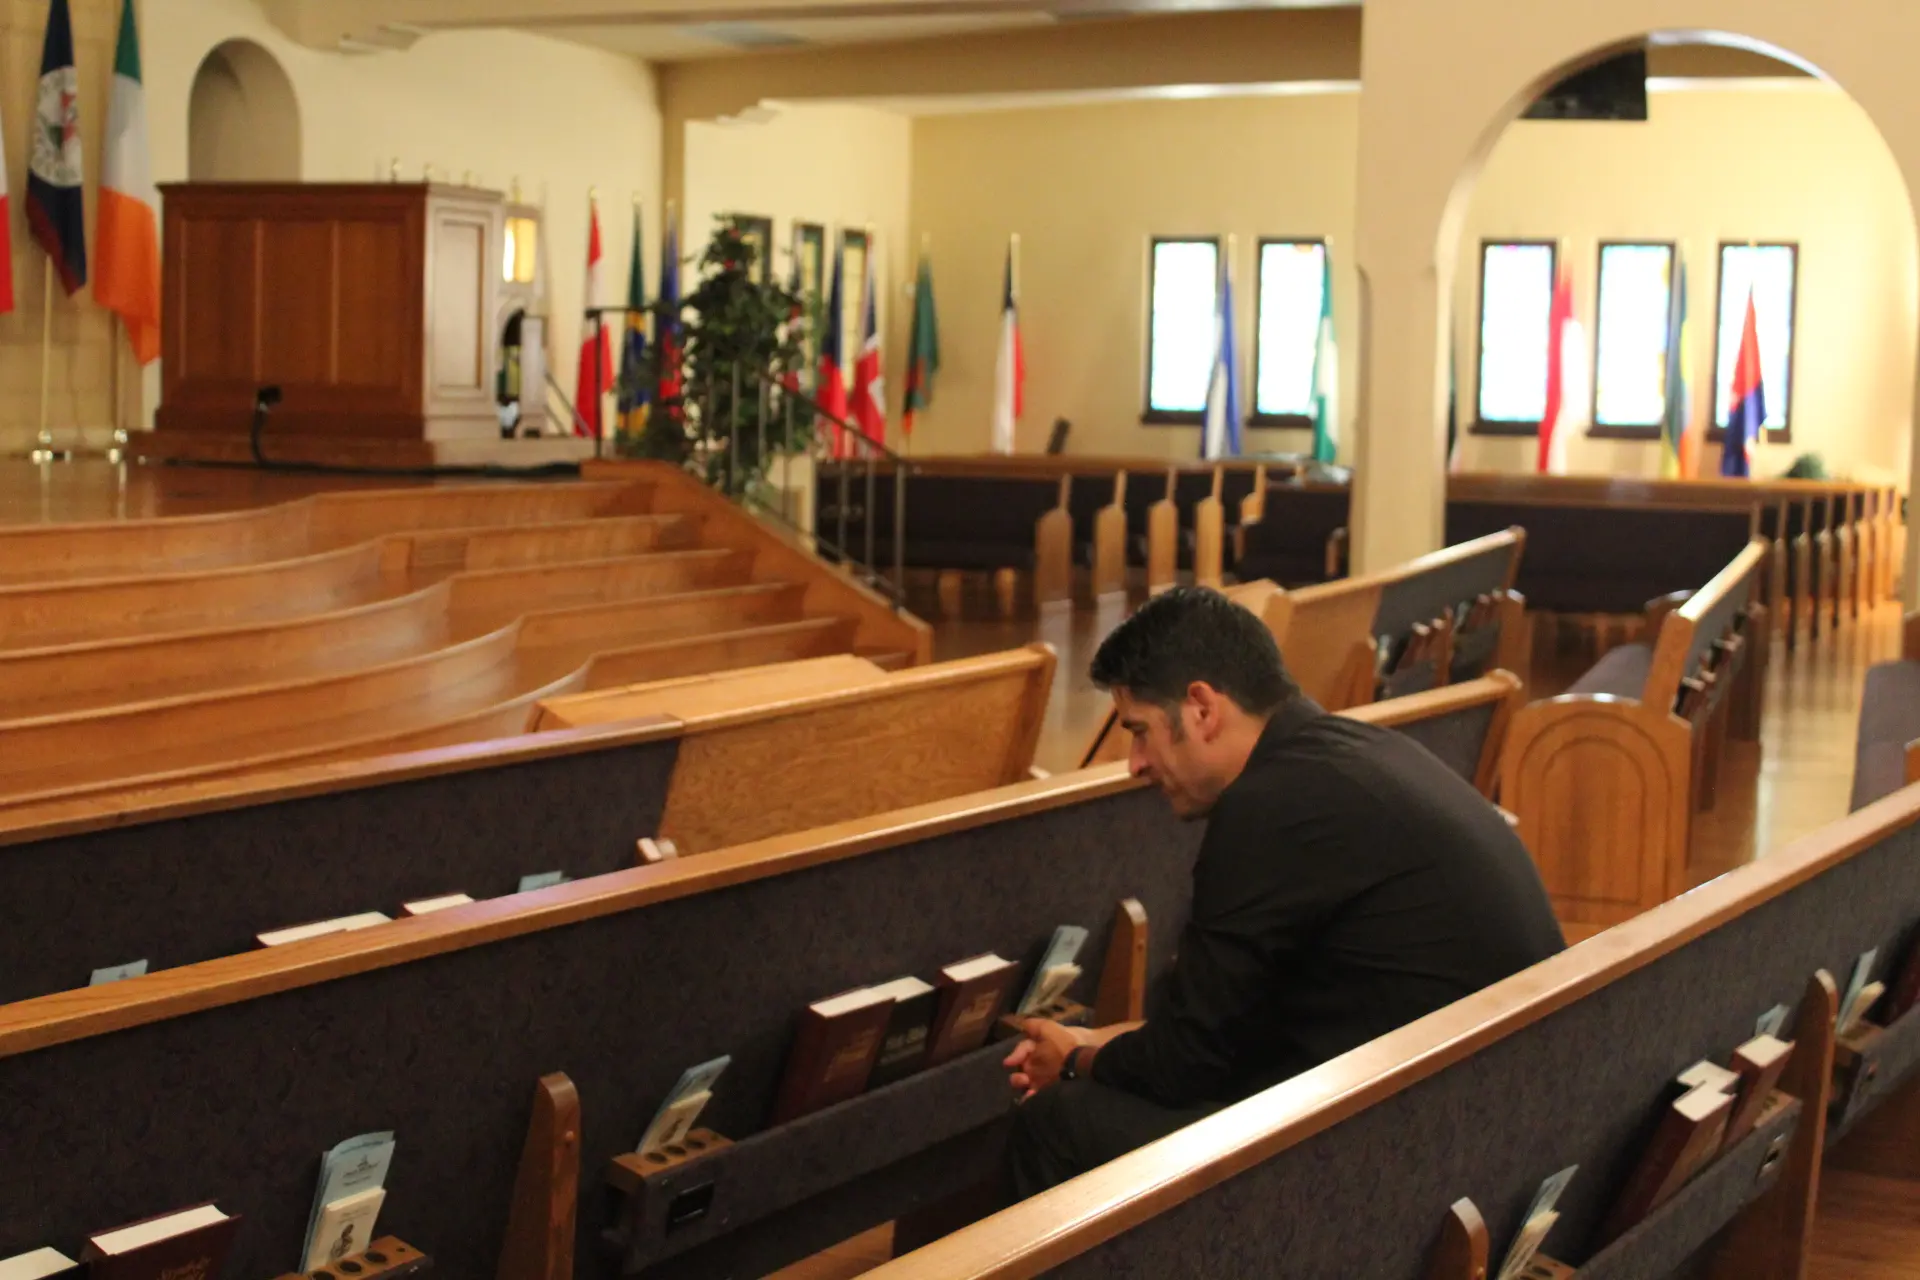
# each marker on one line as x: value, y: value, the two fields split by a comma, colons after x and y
x: 1207, y: 709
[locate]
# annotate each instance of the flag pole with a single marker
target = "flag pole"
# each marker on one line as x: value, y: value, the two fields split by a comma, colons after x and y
x: 43, y: 443
x: 115, y: 450
x: 1014, y: 251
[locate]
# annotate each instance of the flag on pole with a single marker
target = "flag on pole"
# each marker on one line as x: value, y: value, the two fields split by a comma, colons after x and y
x: 596, y: 353
x: 634, y: 394
x: 1673, y: 423
x: 830, y: 388
x: 869, y: 406
x: 1010, y: 362
x: 1748, y: 416
x: 1551, y: 457
x: 56, y: 211
x: 6, y: 241
x: 923, y: 348
x: 128, y: 235
x: 1220, y: 437
x: 1326, y: 372
x: 666, y: 333
x: 1454, y: 439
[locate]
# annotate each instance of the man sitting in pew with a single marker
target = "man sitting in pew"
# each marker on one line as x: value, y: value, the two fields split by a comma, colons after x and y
x: 1348, y: 883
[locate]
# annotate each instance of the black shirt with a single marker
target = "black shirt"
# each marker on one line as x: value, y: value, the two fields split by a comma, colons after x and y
x: 1348, y: 883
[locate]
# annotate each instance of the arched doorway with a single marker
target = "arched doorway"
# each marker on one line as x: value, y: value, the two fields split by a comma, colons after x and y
x: 243, y: 123
x: 1728, y: 163
x: 1441, y: 85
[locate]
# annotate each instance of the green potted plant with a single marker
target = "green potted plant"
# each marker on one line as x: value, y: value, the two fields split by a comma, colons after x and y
x: 733, y: 326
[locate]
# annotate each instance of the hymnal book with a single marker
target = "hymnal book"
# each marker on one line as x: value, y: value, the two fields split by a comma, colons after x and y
x: 354, y: 1166
x: 115, y: 972
x: 1705, y: 1074
x: 320, y: 928
x: 38, y: 1265
x: 1689, y: 1132
x: 345, y: 1228
x: 1539, y: 1220
x: 972, y: 993
x: 652, y: 851
x: 1855, y: 1012
x: 833, y: 1052
x: 427, y: 906
x: 903, y: 1048
x: 684, y: 1102
x: 1862, y: 970
x: 1772, y: 1022
x: 1759, y: 1062
x: 1060, y: 957
x: 541, y: 880
x: 189, y: 1244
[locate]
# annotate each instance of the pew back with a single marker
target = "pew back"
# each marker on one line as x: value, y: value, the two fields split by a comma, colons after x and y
x: 1563, y: 1064
x: 620, y: 980
x: 178, y: 874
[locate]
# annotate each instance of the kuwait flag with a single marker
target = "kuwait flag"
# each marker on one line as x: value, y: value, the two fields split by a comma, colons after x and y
x: 830, y: 390
x: 1010, y: 363
x: 55, y: 211
x: 128, y: 237
x: 596, y: 353
x: 869, y: 407
x: 1749, y: 413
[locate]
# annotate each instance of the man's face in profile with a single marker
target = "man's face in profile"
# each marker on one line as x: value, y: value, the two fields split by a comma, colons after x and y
x: 1170, y: 751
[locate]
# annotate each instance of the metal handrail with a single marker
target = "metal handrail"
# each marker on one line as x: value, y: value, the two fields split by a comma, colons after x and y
x: 794, y: 401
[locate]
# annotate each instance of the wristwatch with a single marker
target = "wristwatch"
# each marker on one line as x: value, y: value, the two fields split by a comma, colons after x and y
x: 1070, y: 1069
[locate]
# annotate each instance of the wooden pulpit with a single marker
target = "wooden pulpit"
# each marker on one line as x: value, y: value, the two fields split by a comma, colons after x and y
x: 373, y: 307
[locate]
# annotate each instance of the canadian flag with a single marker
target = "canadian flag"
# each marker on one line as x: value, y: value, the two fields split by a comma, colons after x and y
x: 596, y: 351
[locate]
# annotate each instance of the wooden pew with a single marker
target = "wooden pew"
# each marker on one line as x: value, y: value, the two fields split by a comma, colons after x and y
x: 183, y: 872
x: 176, y: 544
x: 1605, y: 777
x: 1295, y: 536
x: 1331, y: 634
x: 1370, y: 1155
x: 1887, y: 742
x: 1671, y: 541
x: 456, y: 1014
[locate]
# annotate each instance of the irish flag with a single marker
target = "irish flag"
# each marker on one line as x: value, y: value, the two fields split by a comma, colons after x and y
x: 127, y: 241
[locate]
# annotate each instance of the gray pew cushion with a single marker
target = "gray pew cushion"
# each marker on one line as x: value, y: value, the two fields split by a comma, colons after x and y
x: 1622, y: 672
x: 1890, y: 707
x: 1879, y: 770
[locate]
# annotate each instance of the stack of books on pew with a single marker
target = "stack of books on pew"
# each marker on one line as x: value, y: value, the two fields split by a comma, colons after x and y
x: 873, y: 1036
x: 359, y: 920
x: 1709, y: 1109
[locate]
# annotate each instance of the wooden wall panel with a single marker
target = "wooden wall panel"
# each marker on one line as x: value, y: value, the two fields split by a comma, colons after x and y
x: 373, y: 299
x: 298, y: 304
x: 215, y: 325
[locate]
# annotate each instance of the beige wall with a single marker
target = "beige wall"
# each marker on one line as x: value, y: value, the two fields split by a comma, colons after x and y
x: 501, y: 104
x: 1425, y: 130
x: 1800, y: 164
x: 835, y: 165
x: 1086, y: 186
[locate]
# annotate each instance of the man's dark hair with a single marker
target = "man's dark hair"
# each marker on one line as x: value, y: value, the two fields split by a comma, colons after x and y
x: 1189, y: 634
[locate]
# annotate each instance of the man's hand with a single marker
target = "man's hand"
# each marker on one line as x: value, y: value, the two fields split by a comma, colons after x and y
x: 1036, y: 1061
